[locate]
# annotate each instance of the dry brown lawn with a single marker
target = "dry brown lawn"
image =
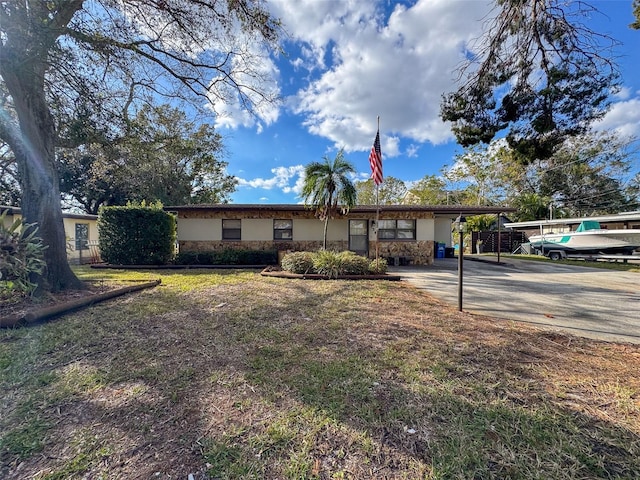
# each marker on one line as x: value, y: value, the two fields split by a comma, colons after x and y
x: 232, y: 375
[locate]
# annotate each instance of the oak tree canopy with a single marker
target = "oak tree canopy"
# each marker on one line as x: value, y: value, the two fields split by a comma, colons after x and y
x: 92, y: 61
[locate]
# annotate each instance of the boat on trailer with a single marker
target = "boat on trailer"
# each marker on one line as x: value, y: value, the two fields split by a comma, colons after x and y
x: 588, y: 238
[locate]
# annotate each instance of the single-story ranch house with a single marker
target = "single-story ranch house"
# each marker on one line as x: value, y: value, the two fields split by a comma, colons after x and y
x: 81, y: 232
x: 407, y: 234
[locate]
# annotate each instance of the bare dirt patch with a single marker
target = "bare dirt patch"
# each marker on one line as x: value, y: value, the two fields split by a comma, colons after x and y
x: 18, y: 305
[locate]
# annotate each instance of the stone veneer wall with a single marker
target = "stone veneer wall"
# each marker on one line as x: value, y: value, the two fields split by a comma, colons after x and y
x: 417, y: 253
x: 293, y: 246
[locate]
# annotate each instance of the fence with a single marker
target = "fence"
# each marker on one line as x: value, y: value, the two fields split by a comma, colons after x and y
x: 509, y: 241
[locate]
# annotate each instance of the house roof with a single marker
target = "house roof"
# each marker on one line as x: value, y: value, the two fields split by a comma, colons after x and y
x: 438, y: 210
x: 18, y: 211
x: 9, y: 210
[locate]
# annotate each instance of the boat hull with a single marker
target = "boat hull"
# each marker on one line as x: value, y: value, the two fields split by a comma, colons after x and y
x: 592, y: 241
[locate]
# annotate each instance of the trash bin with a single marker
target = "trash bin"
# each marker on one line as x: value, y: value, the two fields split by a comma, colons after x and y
x: 440, y: 250
x: 449, y: 252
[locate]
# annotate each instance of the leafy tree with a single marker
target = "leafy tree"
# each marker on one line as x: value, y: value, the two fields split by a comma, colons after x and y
x: 94, y: 176
x: 586, y: 174
x: 429, y: 190
x: 9, y: 188
x: 391, y: 192
x: 531, y: 206
x: 538, y: 73
x: 66, y: 56
x: 328, y: 189
x: 632, y: 189
x: 589, y: 174
x: 636, y: 13
x: 480, y: 223
x: 485, y: 171
x: 162, y: 157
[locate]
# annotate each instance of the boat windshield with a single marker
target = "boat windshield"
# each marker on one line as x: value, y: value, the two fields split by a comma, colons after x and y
x: 588, y: 225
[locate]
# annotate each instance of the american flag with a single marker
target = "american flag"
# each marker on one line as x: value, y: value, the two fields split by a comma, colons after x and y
x: 375, y: 160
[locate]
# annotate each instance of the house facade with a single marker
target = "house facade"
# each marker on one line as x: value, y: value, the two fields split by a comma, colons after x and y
x: 81, y: 233
x: 404, y: 234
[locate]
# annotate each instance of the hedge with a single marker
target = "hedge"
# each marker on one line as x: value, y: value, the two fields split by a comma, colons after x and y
x: 136, y: 235
x: 228, y: 256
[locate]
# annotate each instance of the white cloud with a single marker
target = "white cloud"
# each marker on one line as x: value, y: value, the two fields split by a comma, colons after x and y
x: 623, y: 118
x: 397, y: 68
x: 623, y: 93
x: 412, y: 151
x: 281, y: 179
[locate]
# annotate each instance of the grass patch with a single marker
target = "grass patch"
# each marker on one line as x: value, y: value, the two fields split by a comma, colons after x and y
x: 237, y: 376
x: 605, y: 264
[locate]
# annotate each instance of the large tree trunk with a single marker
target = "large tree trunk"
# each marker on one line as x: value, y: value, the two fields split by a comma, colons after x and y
x: 35, y: 156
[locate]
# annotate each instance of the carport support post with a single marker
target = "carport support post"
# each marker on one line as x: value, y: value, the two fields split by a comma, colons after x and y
x: 460, y: 223
x: 460, y: 257
x: 499, y: 239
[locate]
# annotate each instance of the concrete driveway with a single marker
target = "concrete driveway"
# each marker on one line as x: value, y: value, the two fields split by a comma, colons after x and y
x: 590, y: 302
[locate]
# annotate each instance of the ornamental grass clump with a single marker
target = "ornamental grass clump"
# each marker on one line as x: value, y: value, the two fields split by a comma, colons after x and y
x: 298, y: 262
x: 352, y: 264
x: 378, y: 266
x: 332, y: 264
x: 327, y: 262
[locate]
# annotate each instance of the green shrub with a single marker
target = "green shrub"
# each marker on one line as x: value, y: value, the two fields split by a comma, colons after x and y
x: 257, y: 257
x: 352, y: 264
x: 331, y: 263
x: 228, y: 257
x: 136, y: 235
x: 193, y: 258
x: 298, y: 262
x: 378, y: 267
x: 21, y: 257
x: 327, y: 262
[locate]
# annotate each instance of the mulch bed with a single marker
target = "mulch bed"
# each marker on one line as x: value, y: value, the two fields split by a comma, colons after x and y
x: 279, y: 273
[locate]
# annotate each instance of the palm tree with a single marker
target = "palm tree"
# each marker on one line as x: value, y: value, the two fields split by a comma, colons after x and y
x: 327, y: 188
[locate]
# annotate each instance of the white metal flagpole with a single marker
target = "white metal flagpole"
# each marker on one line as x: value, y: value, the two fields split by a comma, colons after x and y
x: 377, y: 209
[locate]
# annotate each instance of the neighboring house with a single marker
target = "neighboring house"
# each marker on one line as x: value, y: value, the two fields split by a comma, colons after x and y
x: 407, y: 234
x: 81, y: 232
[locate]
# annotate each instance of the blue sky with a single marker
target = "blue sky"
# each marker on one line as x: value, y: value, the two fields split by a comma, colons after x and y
x: 347, y: 61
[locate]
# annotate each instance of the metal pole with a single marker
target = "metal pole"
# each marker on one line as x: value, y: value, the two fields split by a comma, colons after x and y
x: 460, y: 259
x: 377, y: 212
x: 499, y: 237
x: 377, y: 229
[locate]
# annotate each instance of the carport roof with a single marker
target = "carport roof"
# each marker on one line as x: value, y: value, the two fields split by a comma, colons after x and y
x: 618, y: 217
x: 438, y: 210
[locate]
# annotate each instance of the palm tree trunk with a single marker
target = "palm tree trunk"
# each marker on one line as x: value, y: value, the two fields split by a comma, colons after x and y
x: 324, y: 240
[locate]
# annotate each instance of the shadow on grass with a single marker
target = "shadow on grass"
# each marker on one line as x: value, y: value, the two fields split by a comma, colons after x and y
x: 242, y: 377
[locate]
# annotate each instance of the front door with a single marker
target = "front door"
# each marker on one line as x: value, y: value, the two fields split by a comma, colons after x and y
x: 359, y: 237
